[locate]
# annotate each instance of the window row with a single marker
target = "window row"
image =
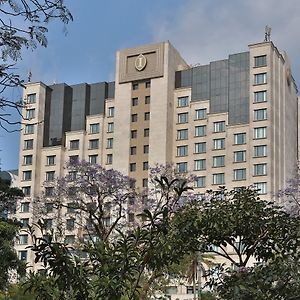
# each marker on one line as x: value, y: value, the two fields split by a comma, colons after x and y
x: 134, y: 133
x: 135, y: 101
x: 133, y: 150
x: 133, y: 166
x: 147, y: 84
x: 134, y: 117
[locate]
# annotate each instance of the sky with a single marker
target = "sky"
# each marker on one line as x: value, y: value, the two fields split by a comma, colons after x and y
x: 201, y: 30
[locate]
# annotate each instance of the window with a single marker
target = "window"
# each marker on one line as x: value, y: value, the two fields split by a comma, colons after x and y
x: 30, y: 113
x: 145, y: 165
x: 93, y: 159
x: 94, y: 128
x: 70, y: 239
x: 260, y: 114
x: 183, y: 118
x: 111, y: 111
x: 50, y: 175
x: 200, y: 147
x: 219, y: 126
x: 22, y: 255
x: 109, y: 143
x: 28, y: 144
x: 94, y: 144
x: 147, y: 99
x: 133, y: 150
x: 200, y: 114
x: 261, y: 187
x: 260, y: 132
x: 219, y: 178
x: 70, y: 224
x: 199, y: 164
x: 134, y: 118
x: 109, y: 159
x: 133, y: 134
x: 145, y: 182
x: 219, y: 144
x: 27, y: 175
x: 73, y: 158
x: 135, y: 85
x: 171, y: 290
x: 260, y: 151
x: 183, y: 101
x: 24, y: 222
x: 239, y: 138
x: 27, y: 160
x: 146, y: 132
x: 26, y: 190
x: 200, y: 130
x: 182, y: 134
x: 182, y: 150
x: 49, y: 191
x: 23, y: 239
x: 146, y: 149
x: 29, y: 128
x: 24, y: 208
x: 31, y: 98
x: 239, y: 156
x: 48, y: 223
x: 147, y: 116
x: 132, y: 167
x: 260, y: 96
x: 182, y: 167
x: 260, y: 61
x: 134, y: 101
x: 74, y: 144
x: 51, y: 160
x: 219, y: 161
x: 72, y: 175
x: 148, y: 84
x: 260, y: 169
x: 110, y: 127
x: 260, y: 78
x: 200, y: 182
x: 239, y: 174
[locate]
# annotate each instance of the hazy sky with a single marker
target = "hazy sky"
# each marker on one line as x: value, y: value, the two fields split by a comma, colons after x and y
x: 202, y: 31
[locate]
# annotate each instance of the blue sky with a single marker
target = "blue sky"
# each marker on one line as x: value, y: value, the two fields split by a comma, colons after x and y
x: 202, y: 31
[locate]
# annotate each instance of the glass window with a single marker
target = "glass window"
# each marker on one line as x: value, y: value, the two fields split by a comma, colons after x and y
x: 134, y: 101
x: 48, y: 223
x: 132, y: 167
x: 182, y: 167
x: 109, y: 143
x: 135, y: 85
x: 219, y: 144
x: 200, y: 147
x: 93, y: 159
x: 27, y: 175
x: 31, y: 98
x: 50, y: 175
x: 147, y: 116
x: 70, y: 224
x: 260, y: 169
x: 183, y: 101
x: 182, y: 134
x: 146, y: 149
x: 94, y: 144
x: 200, y: 130
x: 145, y: 182
x: 133, y: 134
x: 70, y: 239
x: 200, y: 114
x: 183, y: 118
x: 147, y: 99
x: 261, y: 187
x: 29, y: 128
x: 219, y: 178
x: 260, y: 114
x: 49, y: 191
x: 24, y: 222
x: 260, y: 96
x: 109, y: 159
x: 51, y: 160
x: 23, y: 239
x: 73, y: 158
x: 110, y: 127
x: 145, y: 165
x: 148, y: 84
x: 94, y: 128
x: 239, y: 174
x: 182, y: 150
x: 260, y: 132
x: 239, y: 138
x: 133, y: 150
x: 260, y: 78
x: 199, y: 164
x: 260, y: 61
x: 146, y: 132
x: 74, y: 144
x: 171, y: 290
x: 219, y: 126
x: 239, y: 156
x: 27, y: 160
x: 24, y: 208
x: 111, y: 111
x: 28, y: 144
x: 260, y: 151
x: 219, y: 161
x: 200, y: 182
x: 26, y: 190
x: 134, y: 118
x: 30, y: 113
x: 22, y: 255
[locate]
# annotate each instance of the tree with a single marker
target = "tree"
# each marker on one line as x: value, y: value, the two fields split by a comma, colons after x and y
x: 23, y: 24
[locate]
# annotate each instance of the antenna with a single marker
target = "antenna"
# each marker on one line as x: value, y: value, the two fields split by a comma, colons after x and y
x: 267, y: 33
x: 29, y: 75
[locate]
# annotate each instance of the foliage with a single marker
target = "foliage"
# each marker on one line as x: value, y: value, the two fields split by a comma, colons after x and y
x: 23, y: 24
x: 16, y: 292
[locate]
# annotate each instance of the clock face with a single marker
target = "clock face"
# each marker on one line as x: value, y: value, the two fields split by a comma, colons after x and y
x: 140, y: 62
